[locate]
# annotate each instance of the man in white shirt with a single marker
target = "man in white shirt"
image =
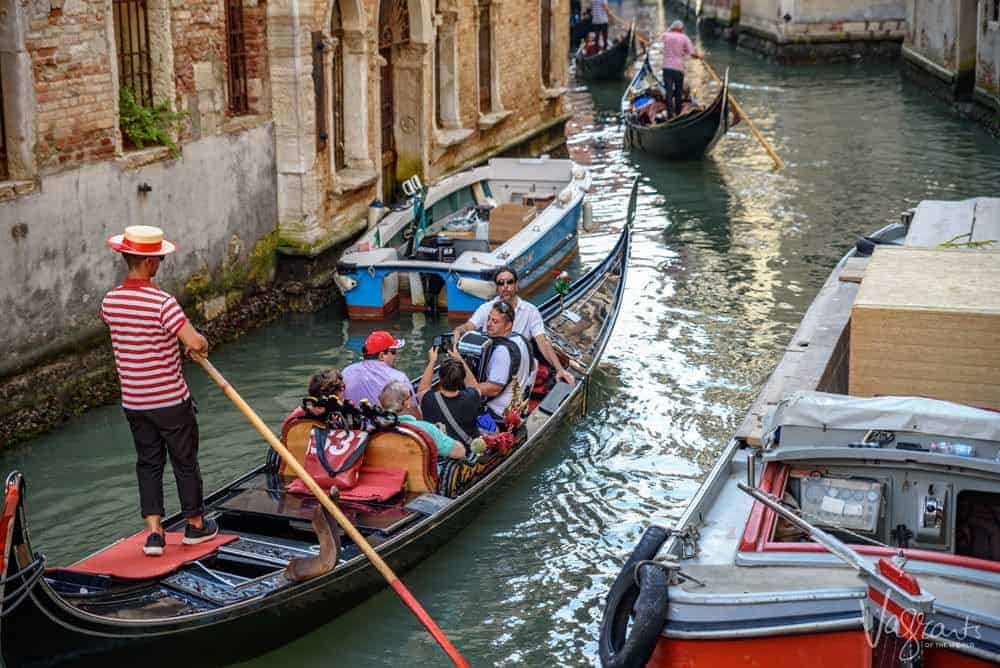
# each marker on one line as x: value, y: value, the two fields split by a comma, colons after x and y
x: 504, y: 366
x: 527, y: 320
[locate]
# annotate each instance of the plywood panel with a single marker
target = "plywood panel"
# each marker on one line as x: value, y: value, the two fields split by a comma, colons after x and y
x: 854, y: 269
x: 932, y: 280
x: 926, y: 322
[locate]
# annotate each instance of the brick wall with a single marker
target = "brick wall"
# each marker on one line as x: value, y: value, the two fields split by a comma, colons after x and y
x: 71, y: 47
x: 75, y: 109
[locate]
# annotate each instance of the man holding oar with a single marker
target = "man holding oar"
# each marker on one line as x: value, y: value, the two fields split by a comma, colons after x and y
x: 676, y: 48
x: 145, y: 324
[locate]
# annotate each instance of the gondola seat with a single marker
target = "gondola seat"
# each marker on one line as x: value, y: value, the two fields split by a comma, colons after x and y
x: 409, y: 448
x: 406, y: 447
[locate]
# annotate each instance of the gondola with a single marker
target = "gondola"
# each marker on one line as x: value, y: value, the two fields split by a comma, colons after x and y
x: 685, y: 137
x: 244, y: 597
x: 609, y: 64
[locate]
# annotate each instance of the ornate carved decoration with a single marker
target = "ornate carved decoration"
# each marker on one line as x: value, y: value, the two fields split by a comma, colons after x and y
x: 393, y: 23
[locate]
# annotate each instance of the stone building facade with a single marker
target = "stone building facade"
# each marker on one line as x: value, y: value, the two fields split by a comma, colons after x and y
x: 954, y: 48
x: 293, y: 116
x: 368, y: 93
x: 70, y: 177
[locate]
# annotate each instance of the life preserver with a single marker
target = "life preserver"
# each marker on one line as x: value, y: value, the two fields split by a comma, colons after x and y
x: 648, y: 599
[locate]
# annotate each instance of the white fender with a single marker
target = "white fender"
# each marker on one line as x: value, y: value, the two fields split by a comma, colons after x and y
x: 477, y: 287
x: 416, y: 290
x: 345, y: 283
x: 588, y: 217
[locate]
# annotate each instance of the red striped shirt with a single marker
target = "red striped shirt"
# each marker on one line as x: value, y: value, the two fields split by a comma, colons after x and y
x: 144, y: 322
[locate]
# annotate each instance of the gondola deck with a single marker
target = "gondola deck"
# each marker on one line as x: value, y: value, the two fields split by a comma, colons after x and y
x: 238, y: 601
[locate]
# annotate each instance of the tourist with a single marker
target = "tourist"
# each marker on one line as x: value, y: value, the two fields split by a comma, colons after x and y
x: 676, y: 48
x: 364, y: 380
x: 590, y: 48
x: 398, y: 398
x: 453, y: 406
x: 326, y: 390
x: 509, y: 360
x: 527, y: 320
x: 146, y: 324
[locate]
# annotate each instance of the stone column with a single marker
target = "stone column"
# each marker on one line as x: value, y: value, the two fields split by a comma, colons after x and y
x: 446, y: 71
x: 966, y: 48
x: 356, y: 100
x: 18, y: 91
x: 290, y: 59
x: 412, y: 122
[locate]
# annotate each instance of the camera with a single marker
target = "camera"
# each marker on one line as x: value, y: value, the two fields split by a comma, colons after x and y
x: 442, y: 342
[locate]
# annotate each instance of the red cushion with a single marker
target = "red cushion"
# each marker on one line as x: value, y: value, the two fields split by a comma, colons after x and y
x: 374, y: 484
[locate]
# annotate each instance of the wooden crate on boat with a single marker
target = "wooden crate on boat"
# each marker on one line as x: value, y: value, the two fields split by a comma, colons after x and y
x: 506, y: 220
x: 926, y: 322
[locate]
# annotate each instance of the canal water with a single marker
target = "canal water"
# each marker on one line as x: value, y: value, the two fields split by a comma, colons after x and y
x: 728, y: 255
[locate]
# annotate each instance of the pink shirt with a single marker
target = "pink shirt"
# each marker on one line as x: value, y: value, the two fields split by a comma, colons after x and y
x: 676, y: 47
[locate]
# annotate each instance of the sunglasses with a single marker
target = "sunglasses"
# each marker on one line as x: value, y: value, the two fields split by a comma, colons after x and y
x: 506, y: 281
x: 504, y: 307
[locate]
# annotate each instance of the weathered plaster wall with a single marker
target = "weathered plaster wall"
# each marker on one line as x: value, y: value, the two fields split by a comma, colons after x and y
x: 988, y: 59
x: 931, y: 29
x: 216, y: 201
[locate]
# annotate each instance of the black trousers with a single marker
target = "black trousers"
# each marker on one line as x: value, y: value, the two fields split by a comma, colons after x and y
x: 674, y: 81
x: 600, y: 29
x: 158, y: 432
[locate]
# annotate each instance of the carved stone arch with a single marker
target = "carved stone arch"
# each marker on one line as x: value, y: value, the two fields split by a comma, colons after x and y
x: 352, y: 14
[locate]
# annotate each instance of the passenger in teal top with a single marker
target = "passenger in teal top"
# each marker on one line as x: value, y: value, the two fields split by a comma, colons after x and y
x: 396, y: 397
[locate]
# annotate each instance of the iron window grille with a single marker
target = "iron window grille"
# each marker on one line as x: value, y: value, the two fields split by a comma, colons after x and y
x: 131, y: 19
x: 239, y: 102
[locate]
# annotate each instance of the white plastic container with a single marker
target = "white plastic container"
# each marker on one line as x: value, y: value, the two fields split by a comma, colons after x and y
x: 483, y: 230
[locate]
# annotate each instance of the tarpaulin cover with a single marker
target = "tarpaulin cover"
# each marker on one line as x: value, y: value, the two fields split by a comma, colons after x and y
x: 126, y: 560
x: 913, y: 414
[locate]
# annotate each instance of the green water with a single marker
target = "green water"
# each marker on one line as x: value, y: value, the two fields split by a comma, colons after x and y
x: 728, y: 255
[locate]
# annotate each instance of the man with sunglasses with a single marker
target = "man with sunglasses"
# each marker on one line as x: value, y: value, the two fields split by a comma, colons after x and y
x: 527, y: 320
x: 145, y: 324
x: 367, y: 378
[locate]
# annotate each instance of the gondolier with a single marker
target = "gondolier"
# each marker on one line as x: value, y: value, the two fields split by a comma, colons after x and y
x: 600, y: 14
x: 146, y: 324
x: 676, y: 48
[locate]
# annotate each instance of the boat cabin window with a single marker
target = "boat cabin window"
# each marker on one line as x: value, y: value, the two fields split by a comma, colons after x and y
x: 897, y: 507
x: 977, y: 531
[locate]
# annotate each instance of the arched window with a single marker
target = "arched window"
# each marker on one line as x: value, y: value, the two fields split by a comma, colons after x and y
x: 485, y: 57
x: 546, y: 41
x: 337, y: 88
x: 393, y: 32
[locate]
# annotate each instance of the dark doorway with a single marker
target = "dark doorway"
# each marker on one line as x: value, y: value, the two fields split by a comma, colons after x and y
x: 393, y: 32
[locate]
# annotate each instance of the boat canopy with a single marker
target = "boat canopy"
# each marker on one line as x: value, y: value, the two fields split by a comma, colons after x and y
x: 821, y: 410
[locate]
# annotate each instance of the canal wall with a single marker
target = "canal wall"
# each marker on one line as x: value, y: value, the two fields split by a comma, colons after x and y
x: 952, y: 48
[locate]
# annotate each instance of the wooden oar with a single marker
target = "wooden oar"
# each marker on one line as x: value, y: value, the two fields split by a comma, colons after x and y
x: 324, y: 499
x: 778, y: 163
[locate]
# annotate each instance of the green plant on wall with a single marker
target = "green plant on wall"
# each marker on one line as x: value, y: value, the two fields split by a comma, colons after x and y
x: 148, y: 125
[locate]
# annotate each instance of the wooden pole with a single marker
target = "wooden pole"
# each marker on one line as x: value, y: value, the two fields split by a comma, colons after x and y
x: 778, y: 162
x: 342, y: 520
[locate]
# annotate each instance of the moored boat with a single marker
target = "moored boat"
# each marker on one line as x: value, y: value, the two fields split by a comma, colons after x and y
x: 688, y: 136
x: 250, y: 590
x: 903, y: 490
x: 440, y: 253
x: 609, y: 64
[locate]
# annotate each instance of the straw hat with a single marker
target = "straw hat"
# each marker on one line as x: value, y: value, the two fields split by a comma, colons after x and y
x: 141, y: 240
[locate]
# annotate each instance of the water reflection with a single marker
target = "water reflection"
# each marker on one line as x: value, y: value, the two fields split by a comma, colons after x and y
x: 728, y: 255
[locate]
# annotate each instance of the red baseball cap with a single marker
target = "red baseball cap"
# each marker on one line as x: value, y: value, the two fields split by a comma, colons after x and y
x: 379, y: 342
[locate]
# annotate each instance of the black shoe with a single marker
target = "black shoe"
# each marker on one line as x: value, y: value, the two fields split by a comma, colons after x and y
x: 193, y: 535
x: 154, y: 545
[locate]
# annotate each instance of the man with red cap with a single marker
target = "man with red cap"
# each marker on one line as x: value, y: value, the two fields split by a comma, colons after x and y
x: 367, y: 378
x: 146, y: 324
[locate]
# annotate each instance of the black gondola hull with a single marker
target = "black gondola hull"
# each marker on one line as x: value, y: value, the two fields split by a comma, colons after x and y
x: 609, y: 65
x: 46, y: 630
x: 688, y: 138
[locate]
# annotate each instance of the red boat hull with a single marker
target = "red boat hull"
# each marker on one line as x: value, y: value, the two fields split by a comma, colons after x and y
x: 840, y: 649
